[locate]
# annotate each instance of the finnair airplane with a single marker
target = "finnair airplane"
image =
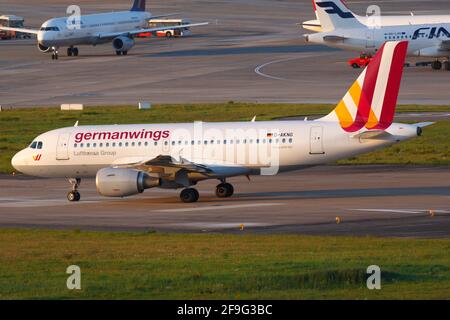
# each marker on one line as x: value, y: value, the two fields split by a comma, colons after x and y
x: 119, y: 28
x: 338, y: 27
x: 127, y: 159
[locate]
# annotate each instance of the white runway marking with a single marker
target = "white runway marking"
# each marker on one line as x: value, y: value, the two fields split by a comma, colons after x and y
x: 409, y: 211
x: 254, y: 205
x: 30, y: 203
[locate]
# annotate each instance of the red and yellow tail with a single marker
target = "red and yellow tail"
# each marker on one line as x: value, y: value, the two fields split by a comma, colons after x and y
x: 372, y: 99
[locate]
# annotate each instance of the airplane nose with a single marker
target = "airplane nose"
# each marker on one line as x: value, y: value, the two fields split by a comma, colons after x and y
x: 17, y: 161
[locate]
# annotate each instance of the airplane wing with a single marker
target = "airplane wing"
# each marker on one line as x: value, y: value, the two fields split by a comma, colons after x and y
x: 29, y: 31
x: 170, y: 169
x: 111, y: 35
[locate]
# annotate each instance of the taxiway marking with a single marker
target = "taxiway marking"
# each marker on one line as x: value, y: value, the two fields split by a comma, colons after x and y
x: 252, y: 205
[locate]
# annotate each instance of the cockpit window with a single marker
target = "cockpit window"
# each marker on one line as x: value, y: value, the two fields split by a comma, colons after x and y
x: 49, y: 29
x: 36, y: 145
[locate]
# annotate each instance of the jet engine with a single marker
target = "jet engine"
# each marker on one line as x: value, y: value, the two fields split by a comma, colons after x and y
x: 123, y: 44
x: 43, y: 48
x: 119, y: 182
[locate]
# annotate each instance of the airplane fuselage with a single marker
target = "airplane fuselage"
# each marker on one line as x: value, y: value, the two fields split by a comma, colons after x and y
x: 424, y: 40
x: 67, y: 32
x: 248, y: 146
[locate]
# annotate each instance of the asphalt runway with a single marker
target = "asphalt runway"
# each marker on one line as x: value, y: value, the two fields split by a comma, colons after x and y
x: 252, y: 51
x: 391, y: 201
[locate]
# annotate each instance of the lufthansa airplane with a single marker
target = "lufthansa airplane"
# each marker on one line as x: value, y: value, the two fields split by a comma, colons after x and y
x: 338, y: 27
x: 127, y: 159
x: 118, y: 28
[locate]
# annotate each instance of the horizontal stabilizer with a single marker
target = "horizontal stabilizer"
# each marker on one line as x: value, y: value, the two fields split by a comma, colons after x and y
x: 423, y: 124
x: 333, y: 38
x: 373, y: 135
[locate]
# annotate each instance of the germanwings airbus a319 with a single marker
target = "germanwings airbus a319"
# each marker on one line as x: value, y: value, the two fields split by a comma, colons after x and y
x: 338, y: 27
x: 127, y: 159
x: 119, y: 28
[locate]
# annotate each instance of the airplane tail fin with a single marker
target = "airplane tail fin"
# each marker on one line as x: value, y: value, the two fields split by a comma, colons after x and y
x: 334, y: 14
x: 371, y: 100
x: 138, y: 5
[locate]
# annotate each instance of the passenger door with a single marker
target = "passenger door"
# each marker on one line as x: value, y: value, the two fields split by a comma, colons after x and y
x: 316, y: 141
x: 370, y: 41
x: 62, y: 148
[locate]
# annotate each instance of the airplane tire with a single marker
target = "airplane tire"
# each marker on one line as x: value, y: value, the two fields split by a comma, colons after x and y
x: 73, y: 196
x: 118, y: 53
x: 69, y: 52
x: 75, y: 52
x: 436, y: 65
x: 124, y: 53
x: 189, y: 195
x: 447, y: 65
x: 355, y: 66
x: 224, y: 190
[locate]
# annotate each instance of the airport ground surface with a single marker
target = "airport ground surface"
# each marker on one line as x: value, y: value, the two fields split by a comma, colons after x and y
x: 389, y: 201
x: 252, y: 51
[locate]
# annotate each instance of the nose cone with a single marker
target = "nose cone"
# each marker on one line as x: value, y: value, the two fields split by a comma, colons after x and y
x: 18, y: 161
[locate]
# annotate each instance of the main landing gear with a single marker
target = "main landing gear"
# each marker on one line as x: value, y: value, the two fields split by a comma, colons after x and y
x: 74, y: 195
x: 118, y: 52
x: 223, y: 190
x: 72, y: 52
x: 438, y: 65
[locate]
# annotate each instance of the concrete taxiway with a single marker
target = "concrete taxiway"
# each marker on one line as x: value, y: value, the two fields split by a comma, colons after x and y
x: 394, y: 201
x: 252, y: 51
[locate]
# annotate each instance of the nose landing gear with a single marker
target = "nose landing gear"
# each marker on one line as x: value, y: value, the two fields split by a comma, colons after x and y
x: 74, y: 195
x: 54, y: 53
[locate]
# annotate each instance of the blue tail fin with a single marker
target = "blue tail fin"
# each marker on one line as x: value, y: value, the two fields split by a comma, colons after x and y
x: 138, y: 5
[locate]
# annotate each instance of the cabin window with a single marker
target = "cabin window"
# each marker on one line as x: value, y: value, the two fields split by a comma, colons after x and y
x: 156, y: 143
x: 88, y: 145
x: 290, y: 140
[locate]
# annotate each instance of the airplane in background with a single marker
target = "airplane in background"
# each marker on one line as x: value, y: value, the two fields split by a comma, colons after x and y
x: 127, y: 159
x: 338, y: 27
x: 119, y: 28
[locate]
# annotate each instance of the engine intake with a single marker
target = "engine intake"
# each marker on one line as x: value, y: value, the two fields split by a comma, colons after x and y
x: 122, y: 44
x: 118, y: 182
x: 43, y: 48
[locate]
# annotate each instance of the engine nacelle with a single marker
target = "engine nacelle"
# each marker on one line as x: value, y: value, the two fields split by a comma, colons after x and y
x: 118, y: 182
x: 430, y: 52
x: 43, y: 48
x: 122, y: 44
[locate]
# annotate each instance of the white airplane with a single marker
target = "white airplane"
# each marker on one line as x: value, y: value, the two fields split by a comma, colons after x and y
x: 127, y: 159
x: 338, y: 27
x: 119, y: 28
